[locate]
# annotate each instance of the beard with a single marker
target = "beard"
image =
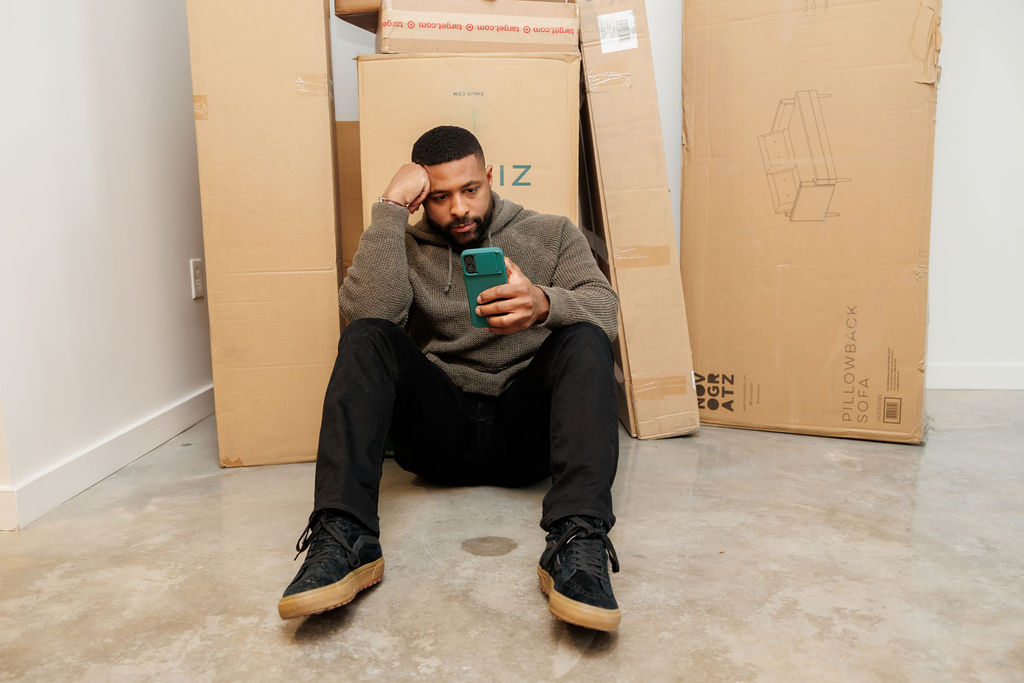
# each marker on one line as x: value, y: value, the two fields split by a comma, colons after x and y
x: 480, y: 226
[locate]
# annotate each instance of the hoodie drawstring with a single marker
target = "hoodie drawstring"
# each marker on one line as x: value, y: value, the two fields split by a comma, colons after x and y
x: 448, y: 286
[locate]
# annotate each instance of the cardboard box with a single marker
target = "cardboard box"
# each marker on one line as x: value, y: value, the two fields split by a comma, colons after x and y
x: 362, y: 13
x: 264, y: 131
x: 408, y: 26
x: 350, y: 195
x: 366, y: 14
x: 631, y: 229
x: 808, y: 138
x: 534, y: 149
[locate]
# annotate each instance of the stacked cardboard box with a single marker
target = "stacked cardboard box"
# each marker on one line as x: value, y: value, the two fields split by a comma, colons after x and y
x: 264, y: 120
x: 408, y: 26
x: 808, y: 137
x: 472, y: 26
x: 440, y: 56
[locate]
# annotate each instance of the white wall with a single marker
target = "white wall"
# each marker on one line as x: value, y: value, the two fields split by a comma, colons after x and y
x: 976, y: 326
x: 103, y: 353
x: 347, y: 41
x: 665, y: 23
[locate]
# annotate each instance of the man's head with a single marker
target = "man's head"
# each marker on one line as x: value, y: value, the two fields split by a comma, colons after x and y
x: 459, y: 204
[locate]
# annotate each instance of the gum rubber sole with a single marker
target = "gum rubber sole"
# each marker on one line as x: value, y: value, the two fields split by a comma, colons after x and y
x: 574, y: 612
x: 335, y: 595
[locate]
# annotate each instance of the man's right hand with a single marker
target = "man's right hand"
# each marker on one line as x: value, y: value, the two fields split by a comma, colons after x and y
x: 410, y: 186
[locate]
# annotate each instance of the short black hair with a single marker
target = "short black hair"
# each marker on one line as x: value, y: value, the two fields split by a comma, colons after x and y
x: 445, y: 143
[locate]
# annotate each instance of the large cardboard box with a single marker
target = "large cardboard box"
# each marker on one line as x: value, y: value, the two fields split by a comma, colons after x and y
x: 631, y: 229
x: 524, y: 109
x: 264, y: 122
x: 806, y: 209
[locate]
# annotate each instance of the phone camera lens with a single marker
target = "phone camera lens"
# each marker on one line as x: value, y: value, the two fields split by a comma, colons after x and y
x: 470, y: 264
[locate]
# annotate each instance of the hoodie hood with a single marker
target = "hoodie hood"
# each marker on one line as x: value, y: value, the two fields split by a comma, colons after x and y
x: 504, y: 212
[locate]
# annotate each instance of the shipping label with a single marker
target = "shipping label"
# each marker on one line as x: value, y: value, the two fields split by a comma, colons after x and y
x: 618, y: 31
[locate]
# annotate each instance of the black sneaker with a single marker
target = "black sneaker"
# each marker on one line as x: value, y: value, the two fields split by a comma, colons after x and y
x: 344, y: 558
x: 574, y: 573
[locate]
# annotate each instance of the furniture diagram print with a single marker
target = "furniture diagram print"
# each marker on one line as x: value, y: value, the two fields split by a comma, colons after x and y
x: 798, y: 161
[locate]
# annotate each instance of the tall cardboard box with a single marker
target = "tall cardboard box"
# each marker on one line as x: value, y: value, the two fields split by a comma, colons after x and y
x: 524, y: 109
x: 808, y: 138
x: 264, y: 131
x: 631, y: 229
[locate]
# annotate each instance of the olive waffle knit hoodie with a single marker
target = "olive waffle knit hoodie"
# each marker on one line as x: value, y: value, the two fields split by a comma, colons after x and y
x: 410, y: 275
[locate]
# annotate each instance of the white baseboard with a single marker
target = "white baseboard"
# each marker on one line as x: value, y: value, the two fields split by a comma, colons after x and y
x: 22, y: 504
x: 8, y: 509
x: 975, y: 376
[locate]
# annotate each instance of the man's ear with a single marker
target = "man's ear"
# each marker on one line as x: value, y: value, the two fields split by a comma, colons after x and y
x: 490, y: 175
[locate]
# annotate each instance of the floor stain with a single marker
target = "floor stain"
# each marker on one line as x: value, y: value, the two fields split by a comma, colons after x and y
x: 489, y: 546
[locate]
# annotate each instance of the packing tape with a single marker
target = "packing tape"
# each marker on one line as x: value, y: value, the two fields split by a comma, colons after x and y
x: 642, y: 257
x: 498, y: 28
x: 661, y: 388
x: 199, y: 108
x: 313, y: 85
x: 926, y: 40
x: 609, y: 81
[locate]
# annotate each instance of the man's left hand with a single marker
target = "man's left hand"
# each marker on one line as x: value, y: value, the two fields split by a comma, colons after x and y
x: 515, y: 306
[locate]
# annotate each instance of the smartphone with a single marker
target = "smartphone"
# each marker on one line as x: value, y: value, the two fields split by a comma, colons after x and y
x: 482, y: 269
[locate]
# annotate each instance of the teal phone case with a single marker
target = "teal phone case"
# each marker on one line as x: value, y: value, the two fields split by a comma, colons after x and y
x: 481, y: 269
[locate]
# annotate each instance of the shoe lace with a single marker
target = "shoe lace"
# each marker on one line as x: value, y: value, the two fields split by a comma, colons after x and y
x: 316, y: 537
x: 586, y: 546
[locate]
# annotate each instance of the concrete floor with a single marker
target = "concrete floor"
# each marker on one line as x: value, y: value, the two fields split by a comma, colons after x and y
x: 745, y: 556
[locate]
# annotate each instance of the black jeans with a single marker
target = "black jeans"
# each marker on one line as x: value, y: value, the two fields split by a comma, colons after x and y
x: 558, y: 417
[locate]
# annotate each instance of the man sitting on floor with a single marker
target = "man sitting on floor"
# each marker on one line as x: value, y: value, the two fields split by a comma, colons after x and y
x: 530, y: 397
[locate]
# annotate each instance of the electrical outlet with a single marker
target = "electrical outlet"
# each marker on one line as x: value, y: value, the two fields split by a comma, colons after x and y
x: 195, y: 271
